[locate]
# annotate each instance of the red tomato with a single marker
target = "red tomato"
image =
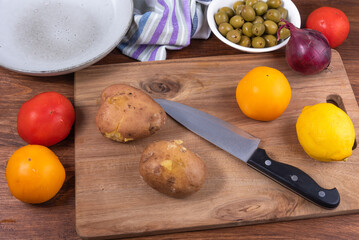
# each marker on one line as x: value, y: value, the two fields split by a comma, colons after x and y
x: 332, y: 22
x: 46, y: 119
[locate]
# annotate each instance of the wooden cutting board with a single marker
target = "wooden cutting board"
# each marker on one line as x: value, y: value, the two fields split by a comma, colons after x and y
x: 113, y: 201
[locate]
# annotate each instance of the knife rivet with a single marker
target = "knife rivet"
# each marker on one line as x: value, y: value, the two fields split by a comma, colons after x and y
x: 294, y: 178
x: 268, y: 162
x: 321, y: 194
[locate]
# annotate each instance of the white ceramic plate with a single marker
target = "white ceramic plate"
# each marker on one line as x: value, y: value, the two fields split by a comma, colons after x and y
x: 215, y: 5
x: 53, y: 37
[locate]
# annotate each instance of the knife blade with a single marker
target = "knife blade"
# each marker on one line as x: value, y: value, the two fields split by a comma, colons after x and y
x: 245, y: 147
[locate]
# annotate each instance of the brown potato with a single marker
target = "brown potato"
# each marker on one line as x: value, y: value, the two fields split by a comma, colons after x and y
x: 172, y: 169
x: 127, y: 114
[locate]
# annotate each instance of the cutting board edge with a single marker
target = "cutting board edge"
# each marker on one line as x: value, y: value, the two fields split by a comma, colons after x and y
x: 207, y: 227
x: 193, y: 59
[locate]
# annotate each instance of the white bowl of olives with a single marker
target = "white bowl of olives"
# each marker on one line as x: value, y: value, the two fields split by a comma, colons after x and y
x: 252, y: 25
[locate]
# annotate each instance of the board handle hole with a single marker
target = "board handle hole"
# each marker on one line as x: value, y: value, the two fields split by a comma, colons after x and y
x: 338, y: 101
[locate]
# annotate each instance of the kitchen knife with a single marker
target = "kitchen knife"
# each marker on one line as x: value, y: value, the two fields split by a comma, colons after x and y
x: 245, y: 147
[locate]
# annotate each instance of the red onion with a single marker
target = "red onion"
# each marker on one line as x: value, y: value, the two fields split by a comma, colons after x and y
x: 308, y: 51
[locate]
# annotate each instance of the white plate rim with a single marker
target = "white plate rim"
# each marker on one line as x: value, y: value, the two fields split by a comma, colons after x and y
x: 78, y: 66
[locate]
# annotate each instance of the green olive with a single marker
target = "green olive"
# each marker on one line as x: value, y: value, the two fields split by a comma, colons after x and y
x: 248, y: 13
x: 224, y: 28
x: 221, y: 17
x: 251, y: 2
x: 273, y: 14
x: 264, y: 16
x: 270, y: 27
x: 258, y: 19
x: 270, y: 40
x: 253, y: 23
x: 245, y: 41
x: 283, y: 12
x: 274, y: 3
x: 284, y: 32
x: 258, y: 29
x: 239, y: 9
x: 247, y: 29
x: 227, y: 10
x: 234, y: 36
x: 238, y: 3
x: 236, y: 21
x: 260, y: 8
x: 258, y: 42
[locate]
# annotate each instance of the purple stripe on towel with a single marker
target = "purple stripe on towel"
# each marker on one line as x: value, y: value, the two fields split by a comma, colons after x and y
x: 162, y: 23
x: 153, y: 54
x: 139, y: 51
x: 157, y: 32
x: 174, y: 35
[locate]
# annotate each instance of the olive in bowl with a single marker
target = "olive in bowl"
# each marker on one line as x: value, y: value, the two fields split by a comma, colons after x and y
x: 261, y: 21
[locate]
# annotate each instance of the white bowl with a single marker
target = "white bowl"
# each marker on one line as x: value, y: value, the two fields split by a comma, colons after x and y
x: 215, y: 5
x: 53, y: 37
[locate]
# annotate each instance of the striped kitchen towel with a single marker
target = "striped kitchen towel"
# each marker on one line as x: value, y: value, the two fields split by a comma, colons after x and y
x: 164, y: 24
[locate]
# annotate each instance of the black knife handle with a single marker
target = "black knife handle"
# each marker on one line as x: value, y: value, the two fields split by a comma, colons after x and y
x: 294, y: 179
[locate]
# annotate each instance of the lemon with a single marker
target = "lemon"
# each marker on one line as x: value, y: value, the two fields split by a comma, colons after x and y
x: 325, y: 132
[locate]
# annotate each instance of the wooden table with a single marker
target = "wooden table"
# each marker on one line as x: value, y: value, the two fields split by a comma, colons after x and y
x: 56, y: 218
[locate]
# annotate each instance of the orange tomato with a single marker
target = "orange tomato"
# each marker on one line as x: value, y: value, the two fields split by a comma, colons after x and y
x: 263, y: 93
x: 34, y: 174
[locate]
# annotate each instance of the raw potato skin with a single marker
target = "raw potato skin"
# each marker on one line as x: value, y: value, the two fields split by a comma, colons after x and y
x: 128, y: 113
x: 172, y: 169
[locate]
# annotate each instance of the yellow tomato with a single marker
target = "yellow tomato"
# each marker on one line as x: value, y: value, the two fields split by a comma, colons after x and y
x: 263, y: 93
x: 34, y: 174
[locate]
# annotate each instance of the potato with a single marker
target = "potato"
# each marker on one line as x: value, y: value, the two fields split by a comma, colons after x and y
x: 127, y: 114
x: 170, y: 168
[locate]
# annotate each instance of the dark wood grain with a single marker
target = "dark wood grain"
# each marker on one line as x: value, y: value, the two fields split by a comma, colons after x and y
x: 56, y: 219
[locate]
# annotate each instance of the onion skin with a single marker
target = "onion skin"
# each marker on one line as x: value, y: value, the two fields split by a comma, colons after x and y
x: 308, y: 51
